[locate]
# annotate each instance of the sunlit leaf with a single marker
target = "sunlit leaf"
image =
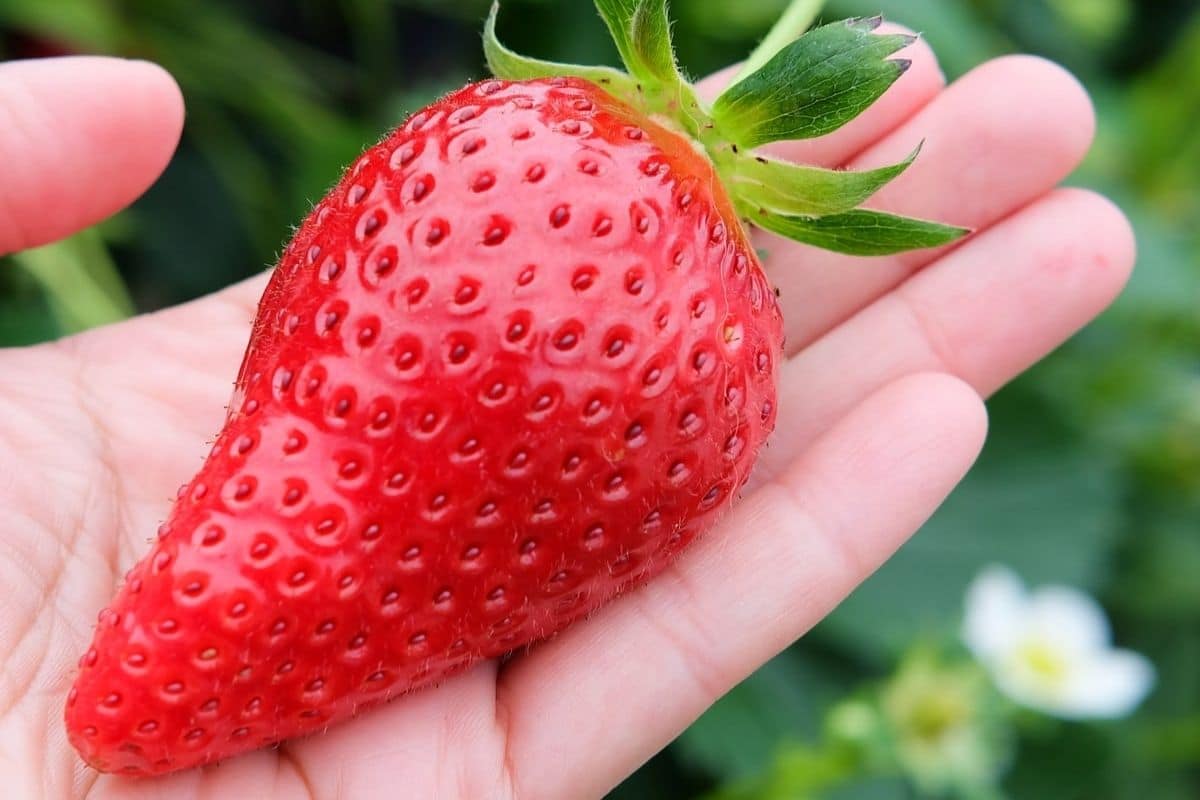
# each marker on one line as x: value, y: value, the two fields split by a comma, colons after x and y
x: 812, y: 86
x: 860, y: 233
x: 802, y: 190
x: 81, y: 282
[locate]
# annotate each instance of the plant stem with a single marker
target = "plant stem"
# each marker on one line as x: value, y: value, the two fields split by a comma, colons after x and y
x: 796, y: 19
x: 79, y: 279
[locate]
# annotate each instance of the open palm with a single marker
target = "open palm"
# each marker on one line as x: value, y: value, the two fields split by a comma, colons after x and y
x: 880, y: 416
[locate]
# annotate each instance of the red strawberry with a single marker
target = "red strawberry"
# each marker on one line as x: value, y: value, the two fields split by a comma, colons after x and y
x: 511, y: 364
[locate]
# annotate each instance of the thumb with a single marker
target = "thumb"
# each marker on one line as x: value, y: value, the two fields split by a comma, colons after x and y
x: 80, y: 138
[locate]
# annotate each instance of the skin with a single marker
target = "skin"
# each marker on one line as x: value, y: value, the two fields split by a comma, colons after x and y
x: 881, y: 415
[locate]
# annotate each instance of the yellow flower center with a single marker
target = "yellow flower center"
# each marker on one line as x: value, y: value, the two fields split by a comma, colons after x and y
x: 1045, y: 661
x: 937, y: 714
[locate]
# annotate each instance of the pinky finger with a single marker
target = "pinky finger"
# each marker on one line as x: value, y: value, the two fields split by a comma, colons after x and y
x: 648, y: 665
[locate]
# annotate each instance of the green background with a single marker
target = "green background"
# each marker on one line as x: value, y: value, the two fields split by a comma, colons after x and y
x: 1092, y: 473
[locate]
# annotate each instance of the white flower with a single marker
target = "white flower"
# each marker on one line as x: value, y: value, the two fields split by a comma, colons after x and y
x: 1051, y: 649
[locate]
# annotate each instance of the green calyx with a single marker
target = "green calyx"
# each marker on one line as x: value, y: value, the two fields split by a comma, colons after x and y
x: 794, y: 86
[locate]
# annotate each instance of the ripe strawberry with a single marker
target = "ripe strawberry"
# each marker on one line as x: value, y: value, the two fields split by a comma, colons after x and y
x: 510, y: 365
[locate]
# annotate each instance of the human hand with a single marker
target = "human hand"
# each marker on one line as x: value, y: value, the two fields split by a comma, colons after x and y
x: 880, y: 416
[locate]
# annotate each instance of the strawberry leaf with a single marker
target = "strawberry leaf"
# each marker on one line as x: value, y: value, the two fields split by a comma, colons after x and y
x: 799, y: 190
x: 813, y: 86
x: 652, y: 41
x: 618, y: 16
x: 859, y: 233
x: 505, y: 63
x: 796, y: 19
x: 641, y: 30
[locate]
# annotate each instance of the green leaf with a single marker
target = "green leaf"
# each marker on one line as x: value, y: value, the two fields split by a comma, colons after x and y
x: 871, y: 788
x: 79, y: 23
x: 859, y: 233
x: 80, y: 281
x: 618, y: 16
x: 799, y: 772
x: 641, y: 30
x: 801, y: 190
x: 784, y: 700
x: 25, y: 313
x: 652, y: 41
x: 504, y: 63
x: 959, y: 32
x: 795, y: 20
x: 813, y: 86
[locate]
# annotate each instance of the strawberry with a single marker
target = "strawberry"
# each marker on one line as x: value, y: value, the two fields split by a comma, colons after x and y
x: 515, y: 360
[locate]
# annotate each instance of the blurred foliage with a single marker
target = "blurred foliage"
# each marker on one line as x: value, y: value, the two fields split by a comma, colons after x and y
x: 1092, y: 475
x: 937, y: 725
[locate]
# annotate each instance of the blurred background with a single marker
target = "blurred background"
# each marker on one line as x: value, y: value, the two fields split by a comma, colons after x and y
x: 1092, y: 474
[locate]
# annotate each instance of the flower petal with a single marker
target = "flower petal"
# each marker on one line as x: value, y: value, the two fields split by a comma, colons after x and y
x: 996, y: 610
x: 1110, y: 685
x: 1070, y: 618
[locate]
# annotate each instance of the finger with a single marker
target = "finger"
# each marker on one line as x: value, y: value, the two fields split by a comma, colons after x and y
x: 916, y: 88
x: 984, y: 313
x: 996, y: 140
x: 80, y: 139
x: 651, y: 662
